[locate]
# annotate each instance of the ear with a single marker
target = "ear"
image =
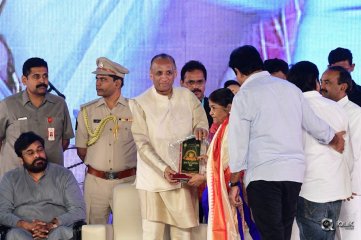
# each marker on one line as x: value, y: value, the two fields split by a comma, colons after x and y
x: 352, y: 67
x: 344, y: 87
x: 23, y: 80
x: 182, y: 83
x: 228, y: 108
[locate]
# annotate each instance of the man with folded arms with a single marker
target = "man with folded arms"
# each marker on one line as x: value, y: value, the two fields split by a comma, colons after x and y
x: 104, y: 141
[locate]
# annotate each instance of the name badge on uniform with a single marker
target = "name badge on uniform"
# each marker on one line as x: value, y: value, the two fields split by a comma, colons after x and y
x: 51, y: 134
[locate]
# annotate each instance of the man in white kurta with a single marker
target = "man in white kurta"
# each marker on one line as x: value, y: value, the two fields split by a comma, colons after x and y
x: 335, y: 84
x: 162, y: 115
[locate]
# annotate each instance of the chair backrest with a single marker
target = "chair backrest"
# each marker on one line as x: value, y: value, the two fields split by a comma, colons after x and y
x: 127, y: 219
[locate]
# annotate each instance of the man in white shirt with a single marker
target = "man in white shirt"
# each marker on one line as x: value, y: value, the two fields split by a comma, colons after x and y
x: 327, y: 177
x: 335, y: 84
x: 265, y: 139
x: 162, y: 115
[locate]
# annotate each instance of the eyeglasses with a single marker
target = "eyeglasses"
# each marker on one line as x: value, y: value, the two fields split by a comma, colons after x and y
x: 31, y: 153
x: 194, y: 82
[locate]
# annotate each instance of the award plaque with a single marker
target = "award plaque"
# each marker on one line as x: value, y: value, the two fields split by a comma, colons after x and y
x: 190, y: 150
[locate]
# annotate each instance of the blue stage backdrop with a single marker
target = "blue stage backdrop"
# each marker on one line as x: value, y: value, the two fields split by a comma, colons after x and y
x: 70, y: 35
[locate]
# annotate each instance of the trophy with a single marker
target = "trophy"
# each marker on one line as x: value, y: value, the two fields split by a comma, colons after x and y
x: 189, y: 151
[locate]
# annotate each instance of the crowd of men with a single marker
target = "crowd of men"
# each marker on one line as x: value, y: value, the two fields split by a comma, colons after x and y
x: 295, y: 136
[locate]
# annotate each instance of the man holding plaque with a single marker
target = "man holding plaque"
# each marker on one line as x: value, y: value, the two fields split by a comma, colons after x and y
x: 162, y: 115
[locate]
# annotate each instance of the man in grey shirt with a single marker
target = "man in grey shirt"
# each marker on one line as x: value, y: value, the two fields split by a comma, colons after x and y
x: 34, y: 109
x: 41, y: 199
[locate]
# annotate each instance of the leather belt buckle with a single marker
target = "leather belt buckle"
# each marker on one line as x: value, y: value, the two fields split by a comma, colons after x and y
x: 110, y: 175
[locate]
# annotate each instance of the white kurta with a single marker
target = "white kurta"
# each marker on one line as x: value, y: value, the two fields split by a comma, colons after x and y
x: 159, y: 121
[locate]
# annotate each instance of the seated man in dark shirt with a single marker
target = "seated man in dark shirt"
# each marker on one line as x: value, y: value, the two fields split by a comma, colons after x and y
x: 41, y: 199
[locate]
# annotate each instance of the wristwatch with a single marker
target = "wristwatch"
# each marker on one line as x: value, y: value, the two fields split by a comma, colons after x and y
x: 231, y: 184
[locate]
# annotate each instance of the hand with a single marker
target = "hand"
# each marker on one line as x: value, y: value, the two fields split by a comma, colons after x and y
x: 338, y: 142
x: 41, y: 229
x: 203, y: 158
x: 234, y: 197
x: 200, y: 133
x: 168, y: 174
x: 196, y: 179
x: 351, y: 197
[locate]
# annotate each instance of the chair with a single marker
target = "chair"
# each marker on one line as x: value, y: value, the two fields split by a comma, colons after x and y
x: 127, y: 220
x: 76, y: 230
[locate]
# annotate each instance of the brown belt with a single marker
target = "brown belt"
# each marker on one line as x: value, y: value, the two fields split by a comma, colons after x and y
x: 112, y: 175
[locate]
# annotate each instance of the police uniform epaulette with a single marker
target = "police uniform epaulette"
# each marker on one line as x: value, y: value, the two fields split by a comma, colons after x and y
x: 89, y: 103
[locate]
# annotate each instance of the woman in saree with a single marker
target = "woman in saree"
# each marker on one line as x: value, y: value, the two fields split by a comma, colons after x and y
x: 224, y: 221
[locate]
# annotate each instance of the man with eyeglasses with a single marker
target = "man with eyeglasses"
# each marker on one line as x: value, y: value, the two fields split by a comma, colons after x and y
x: 40, y: 200
x: 194, y: 77
x: 104, y: 141
x: 34, y: 109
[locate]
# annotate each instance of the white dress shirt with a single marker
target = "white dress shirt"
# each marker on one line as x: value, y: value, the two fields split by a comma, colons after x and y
x: 327, y: 175
x: 265, y: 129
x: 354, y: 115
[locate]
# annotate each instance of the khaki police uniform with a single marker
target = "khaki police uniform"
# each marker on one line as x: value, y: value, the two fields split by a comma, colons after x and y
x: 111, y: 152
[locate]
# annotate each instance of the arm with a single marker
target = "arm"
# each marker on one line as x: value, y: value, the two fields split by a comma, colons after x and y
x: 142, y: 141
x: 200, y: 122
x: 68, y: 132
x: 65, y: 144
x: 7, y: 217
x: 81, y: 137
x: 238, y: 135
x: 315, y: 126
x: 73, y: 202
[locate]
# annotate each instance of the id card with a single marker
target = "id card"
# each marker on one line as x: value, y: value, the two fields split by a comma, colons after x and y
x: 51, y: 134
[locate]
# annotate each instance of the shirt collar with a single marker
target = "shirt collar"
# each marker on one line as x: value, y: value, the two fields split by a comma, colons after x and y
x: 311, y: 94
x: 160, y: 96
x: 343, y: 101
x: 254, y: 76
x: 121, y: 100
x: 26, y: 98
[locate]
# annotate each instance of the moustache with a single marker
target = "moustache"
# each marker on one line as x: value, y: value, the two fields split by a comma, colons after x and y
x: 39, y: 159
x: 196, y: 90
x: 42, y: 85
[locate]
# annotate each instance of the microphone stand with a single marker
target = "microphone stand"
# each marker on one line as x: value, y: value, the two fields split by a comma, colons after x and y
x: 52, y: 87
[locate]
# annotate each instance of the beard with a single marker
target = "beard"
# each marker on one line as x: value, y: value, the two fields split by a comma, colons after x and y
x: 38, y: 165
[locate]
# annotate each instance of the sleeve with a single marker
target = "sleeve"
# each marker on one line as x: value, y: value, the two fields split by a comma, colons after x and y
x: 81, y: 137
x: 314, y: 125
x: 199, y: 115
x: 7, y: 217
x: 238, y: 135
x: 3, y: 119
x: 142, y: 140
x: 68, y: 132
x: 73, y: 202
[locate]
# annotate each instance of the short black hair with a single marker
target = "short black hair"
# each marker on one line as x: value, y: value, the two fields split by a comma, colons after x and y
x: 222, y: 96
x: 344, y: 77
x: 191, y: 66
x: 246, y: 59
x: 275, y: 64
x: 115, y: 77
x: 33, y: 62
x: 339, y: 54
x: 25, y: 140
x: 163, y: 56
x: 304, y: 75
x: 230, y: 83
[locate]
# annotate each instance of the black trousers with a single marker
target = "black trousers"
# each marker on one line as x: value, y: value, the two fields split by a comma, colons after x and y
x: 273, y: 206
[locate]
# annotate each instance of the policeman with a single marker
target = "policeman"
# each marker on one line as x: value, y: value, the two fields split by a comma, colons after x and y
x: 104, y: 141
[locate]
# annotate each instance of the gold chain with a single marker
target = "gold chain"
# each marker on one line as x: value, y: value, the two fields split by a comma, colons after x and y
x: 94, y: 135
